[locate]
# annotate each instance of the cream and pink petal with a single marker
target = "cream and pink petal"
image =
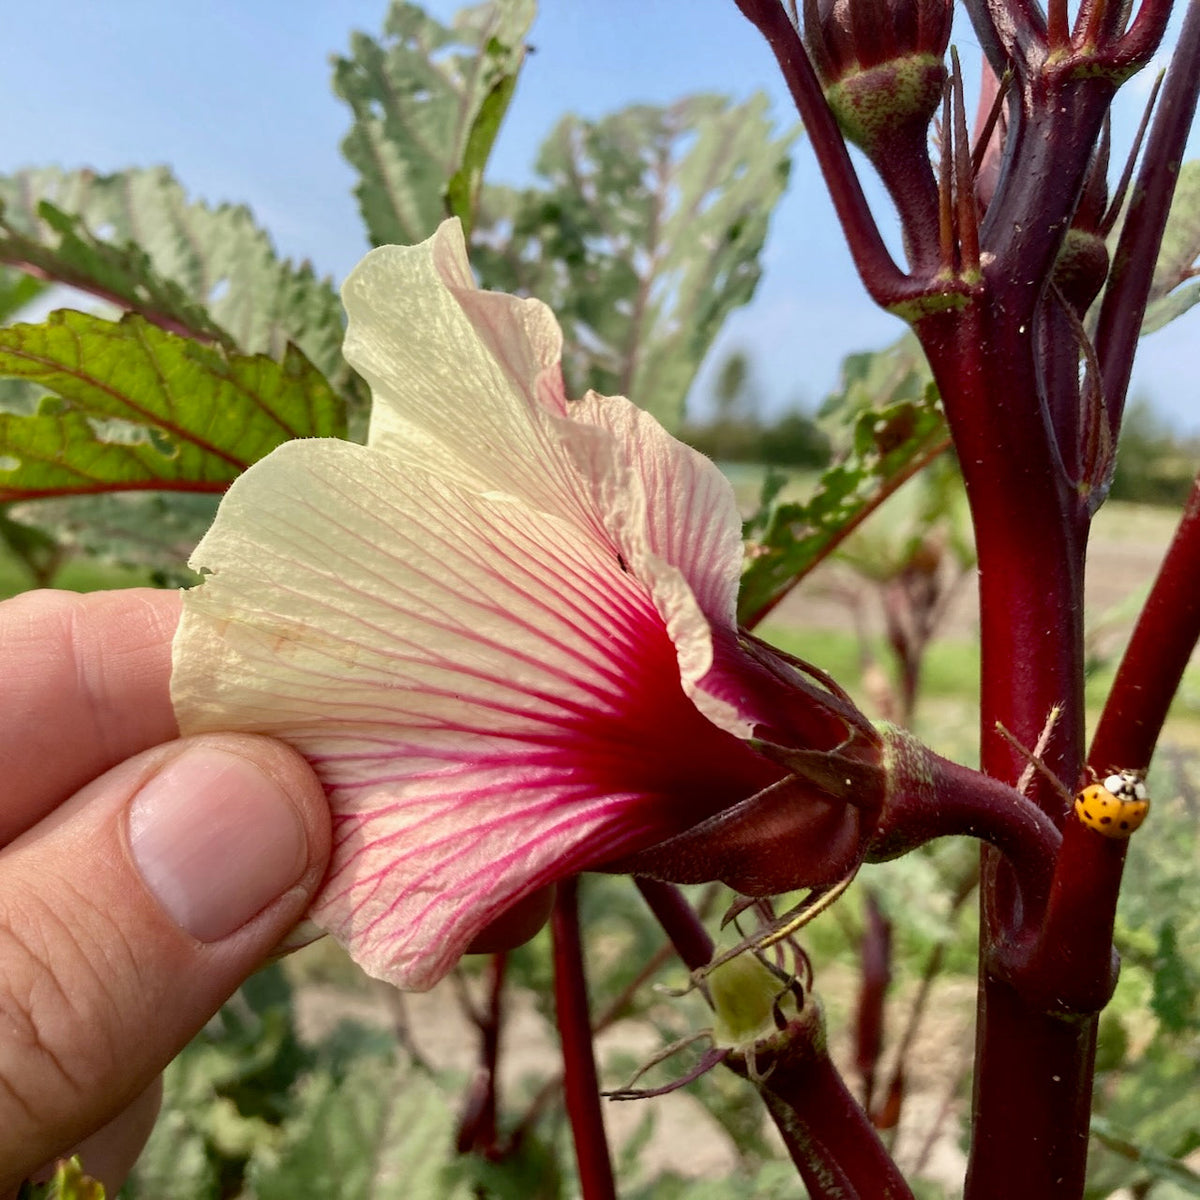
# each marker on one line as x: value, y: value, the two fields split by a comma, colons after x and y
x: 467, y: 384
x: 454, y: 395
x: 492, y: 701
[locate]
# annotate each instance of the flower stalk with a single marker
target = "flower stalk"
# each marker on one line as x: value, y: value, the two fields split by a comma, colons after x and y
x: 1124, y: 304
x: 826, y: 1131
x: 580, y: 1081
x: 882, y: 278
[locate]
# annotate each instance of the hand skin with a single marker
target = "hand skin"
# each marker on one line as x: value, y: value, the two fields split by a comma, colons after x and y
x: 100, y: 983
x: 109, y: 962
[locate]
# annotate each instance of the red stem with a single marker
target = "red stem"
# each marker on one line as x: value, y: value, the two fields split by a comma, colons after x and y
x: 886, y: 283
x: 1033, y: 1072
x: 933, y: 797
x: 1142, y: 38
x: 1154, y: 661
x: 679, y: 921
x: 1030, y: 537
x: 88, y: 285
x: 581, y: 1083
x: 1041, y: 1066
x: 489, y: 1030
x: 1120, y: 323
x: 13, y: 495
x: 875, y: 961
x: 1055, y: 122
x: 826, y: 1132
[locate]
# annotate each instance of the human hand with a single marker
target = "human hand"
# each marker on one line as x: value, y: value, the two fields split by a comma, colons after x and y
x: 142, y: 876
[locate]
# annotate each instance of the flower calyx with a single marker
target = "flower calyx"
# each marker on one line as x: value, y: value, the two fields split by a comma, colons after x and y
x: 881, y: 64
x: 810, y: 827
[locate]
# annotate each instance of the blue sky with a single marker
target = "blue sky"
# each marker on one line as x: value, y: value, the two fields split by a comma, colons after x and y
x: 235, y: 97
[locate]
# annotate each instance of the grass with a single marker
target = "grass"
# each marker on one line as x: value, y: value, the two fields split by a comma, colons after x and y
x: 75, y: 575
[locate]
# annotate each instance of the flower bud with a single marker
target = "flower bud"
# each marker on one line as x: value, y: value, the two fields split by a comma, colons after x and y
x: 751, y: 1002
x: 881, y: 62
x: 1082, y: 264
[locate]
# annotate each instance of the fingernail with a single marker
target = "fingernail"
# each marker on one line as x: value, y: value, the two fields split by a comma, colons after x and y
x: 216, y: 840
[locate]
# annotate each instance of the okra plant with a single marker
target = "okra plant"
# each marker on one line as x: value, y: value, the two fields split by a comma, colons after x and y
x: 460, y: 562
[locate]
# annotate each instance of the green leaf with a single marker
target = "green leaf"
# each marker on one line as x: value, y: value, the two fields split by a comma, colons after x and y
x: 1177, y: 256
x: 176, y: 1161
x: 1155, y: 1165
x: 643, y: 238
x: 37, y: 551
x: 132, y: 531
x: 189, y: 266
x: 16, y: 291
x: 375, y: 1135
x: 66, y: 251
x: 1175, y: 983
x: 69, y: 1183
x: 427, y: 103
x: 132, y: 406
x: 465, y: 186
x: 892, y: 425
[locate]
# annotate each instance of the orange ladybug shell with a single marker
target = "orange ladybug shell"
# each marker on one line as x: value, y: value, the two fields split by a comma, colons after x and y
x: 1116, y: 807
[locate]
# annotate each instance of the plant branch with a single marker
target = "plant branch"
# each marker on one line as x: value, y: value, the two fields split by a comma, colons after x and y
x: 930, y: 797
x: 1142, y: 38
x: 883, y: 279
x: 579, y: 1063
x: 827, y: 1134
x: 477, y: 1126
x: 1124, y: 305
x: 1152, y: 667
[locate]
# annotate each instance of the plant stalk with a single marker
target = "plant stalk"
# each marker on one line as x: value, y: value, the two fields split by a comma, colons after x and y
x: 1153, y: 664
x: 1124, y: 305
x: 581, y: 1083
x: 827, y: 1134
x: 883, y: 279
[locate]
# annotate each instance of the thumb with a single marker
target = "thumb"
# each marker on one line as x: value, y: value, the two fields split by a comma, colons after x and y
x: 130, y: 913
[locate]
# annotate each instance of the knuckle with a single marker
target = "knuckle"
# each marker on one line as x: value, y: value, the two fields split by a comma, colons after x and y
x: 56, y: 1034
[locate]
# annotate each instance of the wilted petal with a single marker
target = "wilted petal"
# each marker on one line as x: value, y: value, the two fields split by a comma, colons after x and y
x: 491, y: 699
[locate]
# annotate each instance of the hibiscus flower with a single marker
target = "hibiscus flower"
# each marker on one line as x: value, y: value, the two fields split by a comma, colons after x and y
x: 503, y: 632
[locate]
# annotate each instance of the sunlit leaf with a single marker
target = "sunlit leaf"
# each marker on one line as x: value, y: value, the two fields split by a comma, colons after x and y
x: 643, y: 235
x: 1153, y: 1163
x: 132, y: 406
x: 16, y: 291
x: 892, y: 426
x: 1171, y: 293
x: 427, y: 103
x: 134, y: 238
x: 376, y: 1134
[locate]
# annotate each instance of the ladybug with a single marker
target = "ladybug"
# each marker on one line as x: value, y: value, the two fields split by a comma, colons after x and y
x: 1116, y: 807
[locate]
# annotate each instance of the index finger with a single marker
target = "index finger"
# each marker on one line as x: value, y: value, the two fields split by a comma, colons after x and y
x: 86, y: 684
